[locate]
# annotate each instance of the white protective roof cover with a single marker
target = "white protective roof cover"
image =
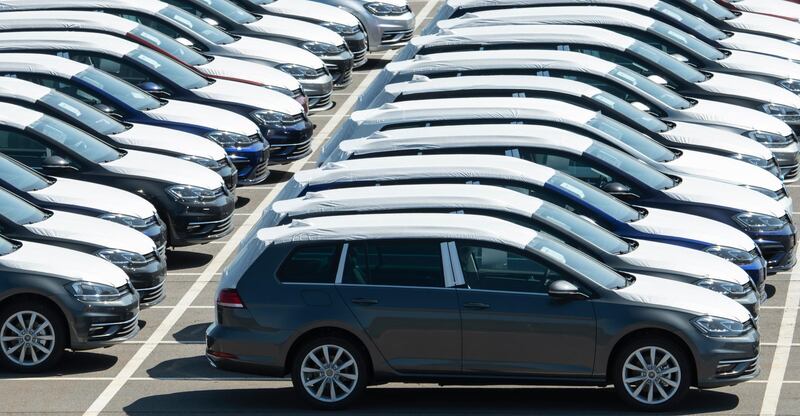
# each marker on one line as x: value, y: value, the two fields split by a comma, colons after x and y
x: 769, y: 7
x: 69, y: 264
x: 691, y: 227
x: 294, y: 28
x: 254, y: 96
x: 734, y: 85
x: 769, y: 25
x: 82, y: 228
x: 223, y: 66
x: 706, y: 136
x: 762, y: 44
x: 101, y: 197
x: 165, y: 168
x: 760, y: 64
x: 310, y: 10
x: 742, y: 118
x: 280, y: 53
x: 716, y: 193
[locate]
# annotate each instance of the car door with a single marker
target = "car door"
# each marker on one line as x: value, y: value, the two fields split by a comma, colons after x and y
x: 398, y: 292
x: 510, y: 325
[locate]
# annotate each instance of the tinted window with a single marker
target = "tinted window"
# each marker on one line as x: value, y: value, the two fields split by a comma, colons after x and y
x: 577, y: 262
x: 19, y: 211
x: 657, y: 91
x: 710, y: 7
x: 689, y: 42
x: 166, y: 26
x: 119, y: 89
x: 169, y: 45
x: 645, y: 120
x: 197, y: 25
x: 83, y: 113
x: 638, y: 141
x: 661, y: 60
x: 581, y: 229
x: 24, y: 148
x: 492, y: 267
x: 310, y: 264
x: 19, y: 176
x: 76, y: 140
x: 394, y: 263
x: 633, y: 167
x: 691, y: 21
x: 168, y: 68
x: 613, y: 207
x: 6, y: 247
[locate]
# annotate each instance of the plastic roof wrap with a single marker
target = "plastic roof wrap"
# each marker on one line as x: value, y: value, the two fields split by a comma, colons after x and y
x: 746, y: 119
x: 691, y: 227
x: 753, y: 22
x: 40, y: 63
x: 723, y: 169
x: 654, y: 291
x: 727, y: 85
x: 668, y: 258
x: 49, y: 40
x: 101, y: 197
x: 69, y: 264
x: 710, y: 192
x: 770, y: 7
x: 762, y: 44
x: 164, y: 168
x: 82, y: 228
x: 252, y: 95
x: 712, y: 137
x: 66, y: 20
x: 144, y: 5
x: 311, y: 10
x: 758, y: 63
x: 223, y: 66
x: 298, y: 29
x: 567, y: 15
x: 272, y: 51
x: 12, y: 115
x: 203, y: 115
x: 155, y: 137
x: 22, y: 90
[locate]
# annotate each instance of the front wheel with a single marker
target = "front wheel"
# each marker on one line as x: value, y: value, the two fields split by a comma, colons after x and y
x: 32, y: 337
x: 329, y: 373
x: 652, y: 374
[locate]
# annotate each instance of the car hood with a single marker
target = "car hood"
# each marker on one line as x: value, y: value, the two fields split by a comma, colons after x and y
x: 691, y: 227
x: 734, y: 85
x: 276, y: 52
x: 723, y: 169
x: 82, y: 228
x: 704, y: 191
x: 762, y: 44
x: 759, y: 64
x: 295, y: 29
x: 164, y: 168
x: 155, y: 137
x: 712, y: 137
x: 250, y: 95
x: 742, y: 118
x: 779, y: 8
x: 69, y: 264
x: 311, y: 10
x: 203, y: 115
x: 661, y: 258
x: 769, y: 25
x: 654, y: 291
x: 100, y: 197
x: 222, y: 66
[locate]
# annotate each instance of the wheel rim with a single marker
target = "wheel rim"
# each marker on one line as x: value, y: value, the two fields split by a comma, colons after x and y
x: 651, y: 375
x: 27, y: 338
x: 329, y: 373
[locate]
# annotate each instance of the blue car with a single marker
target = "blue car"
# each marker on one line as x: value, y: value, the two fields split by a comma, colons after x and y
x: 240, y: 137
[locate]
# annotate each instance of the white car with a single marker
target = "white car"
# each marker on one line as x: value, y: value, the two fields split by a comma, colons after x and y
x: 777, y: 8
x: 388, y: 23
x: 724, y: 19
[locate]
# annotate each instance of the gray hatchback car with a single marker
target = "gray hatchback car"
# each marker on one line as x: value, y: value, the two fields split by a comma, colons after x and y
x: 340, y: 303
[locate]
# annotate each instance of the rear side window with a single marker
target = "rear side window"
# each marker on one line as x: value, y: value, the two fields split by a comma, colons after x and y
x: 310, y: 264
x: 394, y: 263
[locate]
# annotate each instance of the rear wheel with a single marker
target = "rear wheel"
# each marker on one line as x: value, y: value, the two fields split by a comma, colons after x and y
x: 32, y: 337
x: 329, y: 373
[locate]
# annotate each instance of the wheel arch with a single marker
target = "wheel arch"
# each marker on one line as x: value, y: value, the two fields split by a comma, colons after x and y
x: 327, y: 331
x: 644, y: 333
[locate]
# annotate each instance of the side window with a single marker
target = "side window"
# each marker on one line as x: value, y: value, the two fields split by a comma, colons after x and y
x: 394, y: 263
x: 570, y: 165
x: 492, y: 267
x: 310, y: 264
x: 23, y: 148
x: 113, y: 66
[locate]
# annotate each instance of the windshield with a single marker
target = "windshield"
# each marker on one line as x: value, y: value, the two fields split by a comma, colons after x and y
x: 231, y: 11
x: 169, y: 45
x: 6, y: 247
x: 645, y: 120
x: 84, y: 113
x: 261, y: 2
x: 592, y: 196
x: 637, y: 141
x: 76, y: 140
x: 168, y: 68
x: 690, y: 20
x: 577, y: 262
x: 19, y: 211
x: 666, y: 62
x: 119, y: 89
x: 197, y: 25
x: 650, y: 88
x: 690, y: 43
x: 712, y: 8
x: 633, y: 167
x: 21, y: 177
x: 581, y: 229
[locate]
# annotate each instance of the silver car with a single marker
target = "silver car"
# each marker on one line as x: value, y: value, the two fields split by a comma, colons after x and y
x: 388, y: 23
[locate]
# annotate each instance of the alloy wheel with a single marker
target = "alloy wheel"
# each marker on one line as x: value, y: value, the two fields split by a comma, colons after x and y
x: 329, y: 373
x: 651, y: 375
x: 27, y: 338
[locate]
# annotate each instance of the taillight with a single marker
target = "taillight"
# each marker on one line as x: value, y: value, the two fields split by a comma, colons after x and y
x: 229, y: 298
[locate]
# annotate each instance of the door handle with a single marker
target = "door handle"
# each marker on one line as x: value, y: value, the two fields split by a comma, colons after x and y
x: 365, y: 302
x: 476, y: 305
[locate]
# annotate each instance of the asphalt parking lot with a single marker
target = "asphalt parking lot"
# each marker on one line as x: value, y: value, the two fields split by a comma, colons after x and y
x: 163, y: 371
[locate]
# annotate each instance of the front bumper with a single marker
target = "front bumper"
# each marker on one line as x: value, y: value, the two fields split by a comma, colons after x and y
x: 250, y: 163
x: 229, y: 174
x: 778, y: 247
x: 788, y: 159
x: 198, y: 224
x: 319, y: 90
x: 341, y: 68
x: 148, y: 280
x: 156, y: 230
x: 358, y: 45
x: 728, y: 361
x: 387, y: 32
x: 97, y: 325
x: 289, y: 142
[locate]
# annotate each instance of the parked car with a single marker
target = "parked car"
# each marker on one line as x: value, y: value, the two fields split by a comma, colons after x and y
x: 625, y: 255
x: 152, y: 139
x: 194, y: 32
x: 53, y: 298
x: 322, y: 42
x: 724, y: 19
x: 676, y: 134
x: 430, y: 308
x: 388, y: 23
x: 220, y: 67
x: 85, y: 198
x: 784, y: 9
x: 125, y: 248
x: 238, y: 135
x: 631, y: 86
x: 339, y: 21
x: 193, y: 200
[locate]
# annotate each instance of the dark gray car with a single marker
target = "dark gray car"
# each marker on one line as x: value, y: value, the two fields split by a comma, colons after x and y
x: 343, y: 302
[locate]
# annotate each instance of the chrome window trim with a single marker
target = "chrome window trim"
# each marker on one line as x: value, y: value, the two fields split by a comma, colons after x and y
x: 340, y: 268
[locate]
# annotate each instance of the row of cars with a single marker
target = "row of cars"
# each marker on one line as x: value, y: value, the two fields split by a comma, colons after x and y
x: 535, y: 192
x: 127, y: 126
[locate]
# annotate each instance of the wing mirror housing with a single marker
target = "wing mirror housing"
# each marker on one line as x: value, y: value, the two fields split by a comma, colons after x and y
x: 57, y: 163
x: 154, y: 88
x: 619, y: 190
x: 562, y: 289
x: 108, y: 110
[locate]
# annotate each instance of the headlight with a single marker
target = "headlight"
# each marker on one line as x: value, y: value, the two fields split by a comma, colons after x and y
x: 764, y: 191
x: 127, y: 220
x: 759, y: 222
x: 792, y: 85
x: 782, y: 112
x: 189, y: 194
x: 767, y: 164
x: 267, y: 117
x: 203, y: 161
x: 385, y: 9
x: 93, y: 292
x: 713, y: 326
x: 340, y: 28
x: 734, y: 255
x: 726, y: 288
x: 321, y: 48
x: 298, y: 71
x: 230, y: 139
x: 769, y: 139
x: 122, y: 258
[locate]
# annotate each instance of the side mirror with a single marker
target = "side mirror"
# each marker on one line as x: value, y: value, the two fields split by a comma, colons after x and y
x: 619, y: 190
x: 562, y: 289
x: 154, y: 88
x: 108, y: 110
x: 57, y: 163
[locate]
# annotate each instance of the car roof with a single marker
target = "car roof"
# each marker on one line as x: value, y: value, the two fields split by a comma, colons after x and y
x: 143, y: 5
x: 40, y: 63
x: 598, y: 14
x: 11, y: 87
x: 422, y: 84
x: 491, y: 3
x: 65, y: 20
x: 404, y: 226
x: 66, y: 40
x: 15, y: 116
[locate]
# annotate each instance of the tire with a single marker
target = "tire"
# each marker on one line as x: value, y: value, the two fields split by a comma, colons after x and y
x: 350, y: 372
x: 657, y: 388
x: 26, y: 348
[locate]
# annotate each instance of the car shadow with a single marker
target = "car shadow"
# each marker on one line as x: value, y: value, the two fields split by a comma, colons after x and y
x: 192, y: 333
x: 72, y: 363
x: 277, y: 176
x: 770, y: 290
x: 241, y: 202
x: 182, y: 260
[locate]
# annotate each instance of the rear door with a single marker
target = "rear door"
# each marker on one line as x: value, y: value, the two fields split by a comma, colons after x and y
x: 401, y: 292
